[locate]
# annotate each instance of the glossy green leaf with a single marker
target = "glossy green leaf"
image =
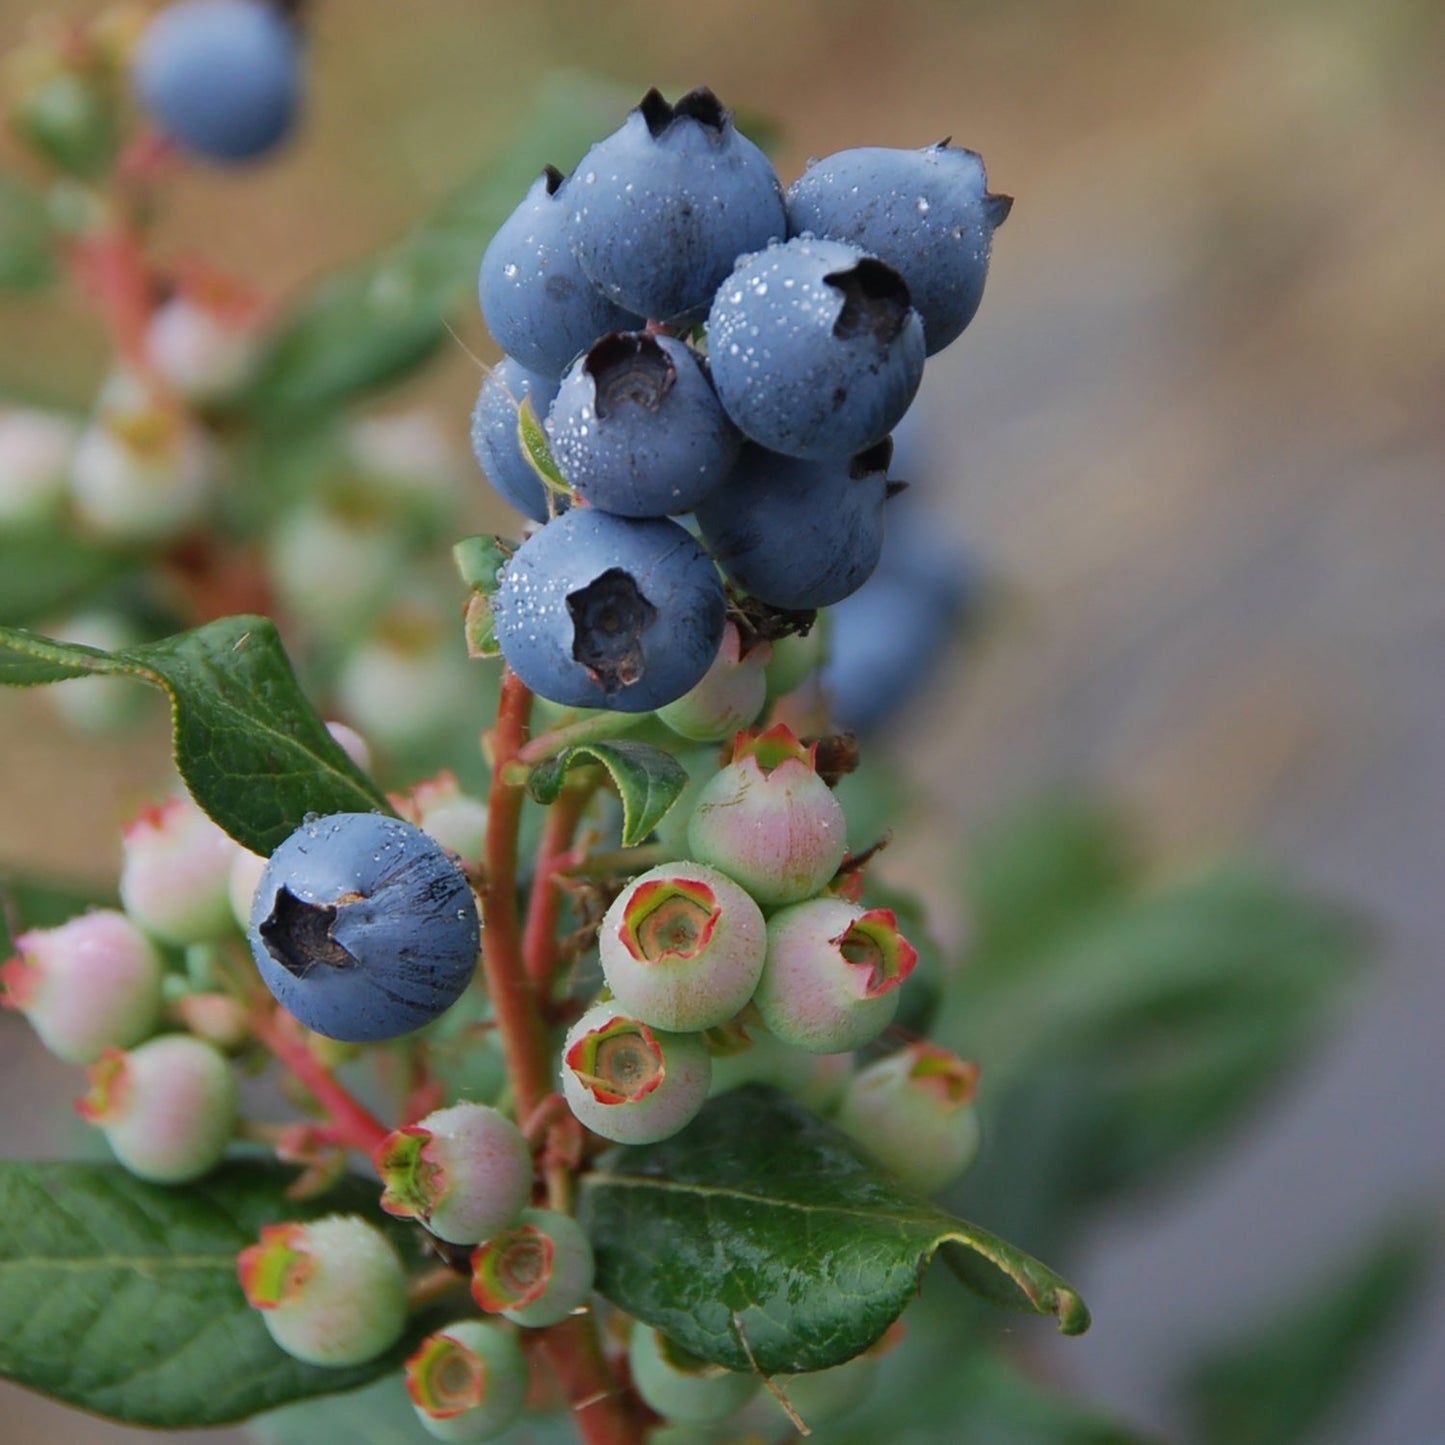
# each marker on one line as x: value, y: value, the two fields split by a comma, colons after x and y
x: 1281, y: 1379
x: 480, y: 559
x: 762, y: 1236
x: 25, y: 256
x: 42, y: 574
x: 649, y: 781
x: 121, y: 1297
x: 379, y: 320
x: 252, y: 750
x: 533, y: 444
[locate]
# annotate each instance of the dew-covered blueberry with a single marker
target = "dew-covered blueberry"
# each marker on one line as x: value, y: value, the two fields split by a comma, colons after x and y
x: 664, y: 205
x: 928, y: 213
x: 220, y: 77
x: 631, y: 1083
x: 682, y: 947
x: 830, y: 981
x: 637, y: 429
x: 614, y: 612
x: 538, y: 303
x: 364, y: 927
x: 495, y: 440
x: 536, y: 1272
x: 815, y: 348
x: 799, y: 534
x: 331, y: 1291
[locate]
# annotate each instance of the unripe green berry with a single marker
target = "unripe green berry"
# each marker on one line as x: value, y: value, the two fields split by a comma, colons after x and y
x: 832, y: 973
x: 769, y: 821
x: 730, y: 696
x: 630, y: 1083
x: 753, y: 1055
x: 331, y: 1291
x: 535, y: 1273
x: 167, y: 1109
x: 175, y: 876
x: 681, y: 1387
x: 913, y: 1111
x: 464, y: 1171
x: 682, y: 947
x: 468, y: 1381
x: 91, y: 984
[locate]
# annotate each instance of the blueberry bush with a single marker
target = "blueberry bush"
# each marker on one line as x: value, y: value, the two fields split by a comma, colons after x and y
x: 591, y: 1084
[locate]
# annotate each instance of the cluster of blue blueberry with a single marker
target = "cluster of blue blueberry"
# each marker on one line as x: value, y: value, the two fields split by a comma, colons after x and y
x: 706, y: 345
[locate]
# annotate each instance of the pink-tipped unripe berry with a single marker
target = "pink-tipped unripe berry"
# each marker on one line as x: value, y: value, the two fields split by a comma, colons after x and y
x: 913, y: 1111
x: 203, y: 344
x: 682, y: 947
x: 91, y: 984
x: 631, y: 1083
x: 167, y: 1109
x: 35, y: 451
x: 468, y: 1381
x: 681, y: 1387
x: 175, y: 875
x: 465, y: 1172
x: 769, y: 821
x: 331, y: 1291
x: 831, y: 978
x: 535, y: 1273
x: 730, y: 696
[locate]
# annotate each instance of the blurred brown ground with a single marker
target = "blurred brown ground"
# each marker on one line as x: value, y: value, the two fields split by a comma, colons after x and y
x: 1198, y: 424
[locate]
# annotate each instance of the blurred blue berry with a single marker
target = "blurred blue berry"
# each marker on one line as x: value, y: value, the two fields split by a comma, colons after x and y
x: 494, y: 433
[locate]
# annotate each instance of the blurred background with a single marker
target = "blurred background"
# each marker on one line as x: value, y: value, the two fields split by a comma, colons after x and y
x: 1197, y: 435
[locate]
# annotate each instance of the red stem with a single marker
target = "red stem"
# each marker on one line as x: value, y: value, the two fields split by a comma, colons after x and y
x: 349, y: 1121
x: 519, y: 1022
x: 602, y: 1412
x: 539, y: 939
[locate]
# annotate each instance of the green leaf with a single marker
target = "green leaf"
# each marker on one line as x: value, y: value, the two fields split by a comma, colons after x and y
x: 532, y: 440
x: 480, y: 560
x: 371, y: 324
x: 25, y: 258
x: 648, y: 780
x: 251, y: 749
x: 42, y: 574
x: 761, y: 1235
x: 1281, y: 1380
x: 121, y: 1297
x: 27, y: 901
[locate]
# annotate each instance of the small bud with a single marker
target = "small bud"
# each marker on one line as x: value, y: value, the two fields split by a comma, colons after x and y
x: 769, y: 821
x: 681, y: 1387
x: 175, y: 875
x: 468, y: 1381
x: 682, y: 947
x: 91, y: 984
x: 331, y: 1291
x: 536, y: 1272
x: 465, y: 1172
x: 630, y: 1083
x: 167, y: 1109
x: 913, y: 1111
x: 832, y: 974
x: 438, y: 806
x: 730, y: 696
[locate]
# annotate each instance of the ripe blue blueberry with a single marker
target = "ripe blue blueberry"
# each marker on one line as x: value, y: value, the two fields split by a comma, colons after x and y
x: 928, y: 213
x: 220, y: 77
x: 538, y: 304
x: 601, y: 611
x: 364, y: 927
x: 637, y: 428
x: 799, y: 534
x: 494, y: 433
x: 815, y: 348
x: 664, y: 205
